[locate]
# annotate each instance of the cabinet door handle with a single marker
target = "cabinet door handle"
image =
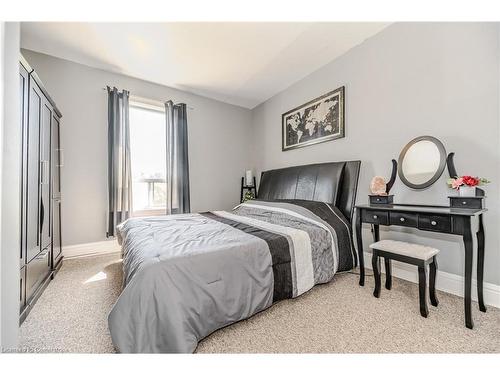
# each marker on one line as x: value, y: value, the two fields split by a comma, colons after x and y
x: 433, y: 222
x: 47, y: 172
x: 42, y: 215
x: 61, y: 157
x: 375, y: 216
x: 42, y: 171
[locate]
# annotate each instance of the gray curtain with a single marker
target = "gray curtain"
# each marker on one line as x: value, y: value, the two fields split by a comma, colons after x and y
x: 177, y: 159
x: 119, y: 170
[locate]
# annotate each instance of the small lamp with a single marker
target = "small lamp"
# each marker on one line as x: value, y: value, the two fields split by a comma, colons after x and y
x: 249, y: 178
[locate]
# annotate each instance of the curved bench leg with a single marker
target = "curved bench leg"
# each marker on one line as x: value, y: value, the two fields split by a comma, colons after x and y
x: 388, y: 273
x: 376, y: 272
x: 432, y: 282
x: 422, y: 281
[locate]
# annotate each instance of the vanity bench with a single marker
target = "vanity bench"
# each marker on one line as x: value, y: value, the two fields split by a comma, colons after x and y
x: 418, y: 255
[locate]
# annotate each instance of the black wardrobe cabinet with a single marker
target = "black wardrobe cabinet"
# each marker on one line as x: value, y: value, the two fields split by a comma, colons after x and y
x: 40, y: 243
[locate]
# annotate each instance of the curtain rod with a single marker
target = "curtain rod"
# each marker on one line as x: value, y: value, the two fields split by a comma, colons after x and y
x: 148, y: 101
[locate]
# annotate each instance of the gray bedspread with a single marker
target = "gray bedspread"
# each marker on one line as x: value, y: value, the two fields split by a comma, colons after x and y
x: 185, y: 276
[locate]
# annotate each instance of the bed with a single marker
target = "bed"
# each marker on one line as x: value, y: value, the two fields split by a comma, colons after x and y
x: 185, y: 276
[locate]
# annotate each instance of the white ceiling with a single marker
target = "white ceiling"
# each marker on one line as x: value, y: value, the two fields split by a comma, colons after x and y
x: 238, y: 63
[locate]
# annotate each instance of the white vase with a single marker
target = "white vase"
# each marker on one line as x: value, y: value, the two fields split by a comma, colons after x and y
x: 467, y: 191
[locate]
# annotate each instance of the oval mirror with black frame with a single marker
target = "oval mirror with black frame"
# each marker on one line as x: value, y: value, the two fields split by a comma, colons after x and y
x: 421, y: 162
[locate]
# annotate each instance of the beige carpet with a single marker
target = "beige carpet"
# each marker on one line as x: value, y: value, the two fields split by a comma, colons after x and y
x: 339, y: 317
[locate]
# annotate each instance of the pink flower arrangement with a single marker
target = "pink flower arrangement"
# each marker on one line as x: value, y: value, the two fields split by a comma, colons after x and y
x: 471, y: 181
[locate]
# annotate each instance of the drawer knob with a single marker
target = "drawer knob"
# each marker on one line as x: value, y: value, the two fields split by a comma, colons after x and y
x: 378, y: 199
x: 402, y: 219
x: 464, y: 202
x: 433, y: 222
x: 375, y: 216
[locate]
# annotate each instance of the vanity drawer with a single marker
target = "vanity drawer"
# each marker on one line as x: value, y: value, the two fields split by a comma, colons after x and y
x: 375, y: 217
x: 404, y: 219
x: 466, y: 202
x: 438, y: 223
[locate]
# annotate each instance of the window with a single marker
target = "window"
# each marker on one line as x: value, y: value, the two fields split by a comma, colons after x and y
x: 148, y: 154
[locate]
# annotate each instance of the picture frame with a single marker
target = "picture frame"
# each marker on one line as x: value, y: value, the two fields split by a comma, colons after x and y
x: 319, y: 120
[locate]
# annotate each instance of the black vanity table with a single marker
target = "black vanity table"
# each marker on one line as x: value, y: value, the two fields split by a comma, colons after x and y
x: 443, y: 219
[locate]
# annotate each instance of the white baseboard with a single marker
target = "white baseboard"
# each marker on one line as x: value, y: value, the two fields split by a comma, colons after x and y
x: 446, y: 282
x: 91, y: 248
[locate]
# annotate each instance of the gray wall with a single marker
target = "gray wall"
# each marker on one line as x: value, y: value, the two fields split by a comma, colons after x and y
x: 408, y: 80
x: 219, y: 148
x: 10, y: 179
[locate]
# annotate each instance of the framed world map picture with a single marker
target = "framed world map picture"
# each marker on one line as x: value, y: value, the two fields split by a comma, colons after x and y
x: 319, y: 120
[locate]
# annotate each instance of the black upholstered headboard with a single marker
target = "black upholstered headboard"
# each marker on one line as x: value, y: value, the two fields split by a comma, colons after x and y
x: 315, y: 182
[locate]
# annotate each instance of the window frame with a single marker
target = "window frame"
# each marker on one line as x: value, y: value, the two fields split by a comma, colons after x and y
x: 155, y: 106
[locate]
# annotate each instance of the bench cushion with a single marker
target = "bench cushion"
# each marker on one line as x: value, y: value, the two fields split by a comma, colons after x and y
x: 405, y: 248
